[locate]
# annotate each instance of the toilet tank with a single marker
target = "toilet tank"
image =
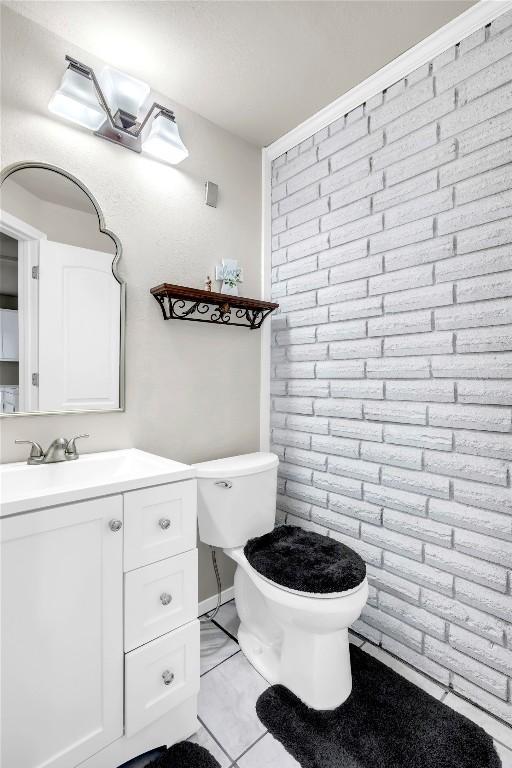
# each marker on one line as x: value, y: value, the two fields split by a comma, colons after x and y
x: 236, y: 498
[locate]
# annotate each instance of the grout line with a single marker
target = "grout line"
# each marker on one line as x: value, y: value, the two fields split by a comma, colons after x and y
x: 252, y: 745
x: 214, y: 738
x: 219, y: 663
x: 505, y: 746
x: 225, y: 631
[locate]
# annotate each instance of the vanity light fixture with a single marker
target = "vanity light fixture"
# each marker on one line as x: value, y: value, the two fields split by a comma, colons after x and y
x: 110, y: 106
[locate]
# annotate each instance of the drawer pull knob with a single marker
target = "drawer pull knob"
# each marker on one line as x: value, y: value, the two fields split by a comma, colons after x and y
x: 165, y: 598
x: 164, y: 523
x: 224, y: 483
x: 167, y: 676
x: 115, y: 525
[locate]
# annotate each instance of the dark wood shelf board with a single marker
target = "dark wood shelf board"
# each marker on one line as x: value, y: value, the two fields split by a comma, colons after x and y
x: 179, y: 302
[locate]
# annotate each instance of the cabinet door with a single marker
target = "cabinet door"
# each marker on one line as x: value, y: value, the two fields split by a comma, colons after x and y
x: 62, y: 637
x: 79, y: 329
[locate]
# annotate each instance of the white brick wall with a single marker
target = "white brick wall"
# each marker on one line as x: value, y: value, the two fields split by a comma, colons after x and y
x: 392, y: 365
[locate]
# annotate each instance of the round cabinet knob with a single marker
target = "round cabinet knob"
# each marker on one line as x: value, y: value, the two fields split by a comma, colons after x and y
x: 167, y: 676
x: 164, y: 523
x: 165, y: 598
x: 115, y: 525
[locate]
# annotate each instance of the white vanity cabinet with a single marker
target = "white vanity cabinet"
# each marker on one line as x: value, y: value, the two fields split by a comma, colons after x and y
x: 62, y: 604
x: 99, y: 629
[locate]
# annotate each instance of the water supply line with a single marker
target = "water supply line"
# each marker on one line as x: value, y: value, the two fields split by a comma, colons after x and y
x: 210, y: 616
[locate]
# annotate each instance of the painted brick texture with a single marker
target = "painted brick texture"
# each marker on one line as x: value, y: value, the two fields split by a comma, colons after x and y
x: 392, y: 358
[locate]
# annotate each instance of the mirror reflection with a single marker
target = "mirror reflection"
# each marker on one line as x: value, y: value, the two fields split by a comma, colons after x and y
x: 61, y: 302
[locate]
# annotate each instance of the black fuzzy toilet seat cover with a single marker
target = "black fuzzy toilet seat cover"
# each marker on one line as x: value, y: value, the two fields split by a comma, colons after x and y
x: 305, y: 561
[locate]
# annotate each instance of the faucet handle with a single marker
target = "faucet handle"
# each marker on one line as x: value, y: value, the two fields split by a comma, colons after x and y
x: 36, y: 452
x: 71, y: 450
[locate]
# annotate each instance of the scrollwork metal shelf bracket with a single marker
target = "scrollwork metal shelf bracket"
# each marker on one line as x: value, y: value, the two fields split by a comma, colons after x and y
x: 178, y: 302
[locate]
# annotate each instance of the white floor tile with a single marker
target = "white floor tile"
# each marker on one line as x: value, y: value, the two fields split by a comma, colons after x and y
x: 505, y: 754
x: 267, y: 753
x: 227, y: 617
x: 227, y: 701
x: 498, y: 731
x: 437, y: 691
x: 203, y: 738
x: 216, y: 646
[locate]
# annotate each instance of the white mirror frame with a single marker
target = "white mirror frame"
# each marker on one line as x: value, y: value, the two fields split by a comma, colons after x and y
x: 26, y: 236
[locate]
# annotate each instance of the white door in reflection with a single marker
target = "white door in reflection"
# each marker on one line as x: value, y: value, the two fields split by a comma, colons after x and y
x: 79, y: 329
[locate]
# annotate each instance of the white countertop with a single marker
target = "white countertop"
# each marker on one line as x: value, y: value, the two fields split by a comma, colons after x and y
x: 25, y: 487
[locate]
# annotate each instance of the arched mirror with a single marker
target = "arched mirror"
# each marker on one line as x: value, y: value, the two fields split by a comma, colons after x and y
x: 61, y: 299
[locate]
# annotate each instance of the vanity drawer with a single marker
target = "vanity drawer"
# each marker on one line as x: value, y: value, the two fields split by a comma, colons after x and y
x: 161, y: 675
x: 159, y: 598
x: 159, y: 522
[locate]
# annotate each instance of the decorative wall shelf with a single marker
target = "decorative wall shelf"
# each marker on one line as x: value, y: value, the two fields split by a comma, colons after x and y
x: 180, y: 303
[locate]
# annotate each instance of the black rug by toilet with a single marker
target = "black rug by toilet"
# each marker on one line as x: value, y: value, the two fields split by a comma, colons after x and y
x: 387, y: 722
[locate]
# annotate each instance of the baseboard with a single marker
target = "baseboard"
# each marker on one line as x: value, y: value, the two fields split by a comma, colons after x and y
x: 210, y: 602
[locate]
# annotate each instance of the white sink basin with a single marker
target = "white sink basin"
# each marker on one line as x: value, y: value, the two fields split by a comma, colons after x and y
x: 24, y: 487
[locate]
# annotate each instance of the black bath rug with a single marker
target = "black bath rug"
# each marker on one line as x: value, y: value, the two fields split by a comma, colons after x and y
x: 185, y: 754
x: 387, y: 722
x: 305, y: 560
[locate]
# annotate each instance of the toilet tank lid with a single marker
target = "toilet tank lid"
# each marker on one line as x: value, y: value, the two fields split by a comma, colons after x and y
x: 237, y: 466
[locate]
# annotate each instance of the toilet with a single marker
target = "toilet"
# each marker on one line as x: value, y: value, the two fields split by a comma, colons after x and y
x: 294, y: 637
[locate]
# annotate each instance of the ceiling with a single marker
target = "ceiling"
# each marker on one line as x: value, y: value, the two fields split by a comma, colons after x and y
x: 51, y: 187
x: 257, y: 69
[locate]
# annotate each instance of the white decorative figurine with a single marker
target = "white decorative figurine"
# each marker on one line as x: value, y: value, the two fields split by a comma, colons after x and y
x: 230, y: 274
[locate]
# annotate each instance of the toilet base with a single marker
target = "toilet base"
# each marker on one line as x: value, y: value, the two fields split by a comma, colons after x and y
x: 279, y: 640
x: 264, y: 658
x: 316, y: 668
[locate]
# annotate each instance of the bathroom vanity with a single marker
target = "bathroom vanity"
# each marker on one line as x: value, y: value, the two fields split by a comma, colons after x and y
x: 98, y: 561
x: 100, y: 637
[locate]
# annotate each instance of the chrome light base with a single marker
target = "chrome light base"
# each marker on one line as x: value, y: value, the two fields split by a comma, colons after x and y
x: 119, y: 136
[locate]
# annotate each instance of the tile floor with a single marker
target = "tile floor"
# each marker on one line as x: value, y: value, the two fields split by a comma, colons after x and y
x: 230, y: 728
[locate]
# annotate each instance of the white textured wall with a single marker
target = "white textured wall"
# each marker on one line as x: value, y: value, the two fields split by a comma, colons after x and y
x: 392, y: 357
x: 192, y: 390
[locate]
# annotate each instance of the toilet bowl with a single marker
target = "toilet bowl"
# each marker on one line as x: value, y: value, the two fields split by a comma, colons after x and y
x: 292, y: 637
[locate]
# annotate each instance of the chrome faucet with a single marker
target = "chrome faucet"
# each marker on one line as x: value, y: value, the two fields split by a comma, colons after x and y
x: 36, y: 452
x: 56, y: 451
x: 59, y: 450
x: 71, y: 449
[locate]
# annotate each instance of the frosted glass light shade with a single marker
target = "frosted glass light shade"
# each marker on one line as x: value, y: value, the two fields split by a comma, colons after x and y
x: 164, y: 141
x: 122, y: 91
x: 76, y: 100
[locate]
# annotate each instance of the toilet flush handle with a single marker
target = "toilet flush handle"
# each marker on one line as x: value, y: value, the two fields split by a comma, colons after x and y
x: 224, y: 483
